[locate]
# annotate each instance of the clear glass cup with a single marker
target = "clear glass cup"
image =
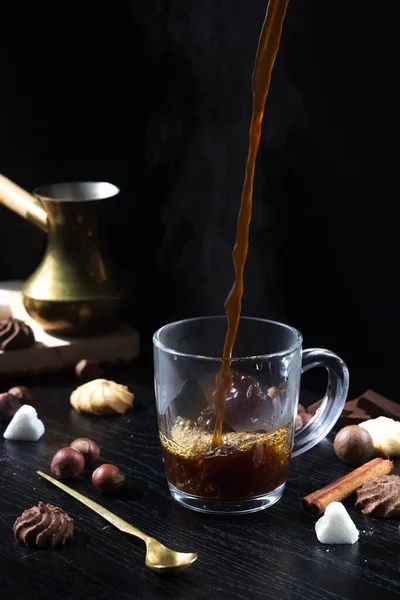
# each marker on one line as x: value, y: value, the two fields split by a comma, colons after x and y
x: 248, y: 471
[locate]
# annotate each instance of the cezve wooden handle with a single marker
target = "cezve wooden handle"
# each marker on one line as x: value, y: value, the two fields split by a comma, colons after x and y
x: 21, y: 202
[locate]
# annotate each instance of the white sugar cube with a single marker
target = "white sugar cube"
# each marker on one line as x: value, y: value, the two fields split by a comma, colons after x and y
x: 25, y: 425
x: 336, y: 526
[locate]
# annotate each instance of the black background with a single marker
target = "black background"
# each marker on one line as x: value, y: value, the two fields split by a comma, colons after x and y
x: 155, y: 96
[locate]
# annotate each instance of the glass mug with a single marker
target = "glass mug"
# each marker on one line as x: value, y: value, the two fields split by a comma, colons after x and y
x: 247, y: 471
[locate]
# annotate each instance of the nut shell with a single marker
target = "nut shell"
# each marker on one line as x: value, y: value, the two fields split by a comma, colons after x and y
x: 9, y: 405
x: 67, y: 463
x: 353, y: 445
x: 298, y: 422
x: 88, y: 369
x: 88, y: 448
x: 23, y: 393
x: 302, y: 418
x: 108, y: 478
x: 102, y: 397
x: 306, y: 418
x: 43, y: 526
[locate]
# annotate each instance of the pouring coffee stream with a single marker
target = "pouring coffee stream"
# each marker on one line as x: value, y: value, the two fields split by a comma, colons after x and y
x: 267, y: 51
x: 227, y: 440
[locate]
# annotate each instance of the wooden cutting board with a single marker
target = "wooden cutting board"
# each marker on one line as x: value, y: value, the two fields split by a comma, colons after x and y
x: 52, y: 353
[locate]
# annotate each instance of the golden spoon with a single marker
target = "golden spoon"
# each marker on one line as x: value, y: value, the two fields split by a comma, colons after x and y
x: 158, y: 556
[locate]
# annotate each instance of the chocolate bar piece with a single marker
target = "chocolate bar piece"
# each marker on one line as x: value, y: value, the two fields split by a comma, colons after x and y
x: 350, y: 406
x: 353, y: 418
x: 379, y: 406
x: 352, y: 413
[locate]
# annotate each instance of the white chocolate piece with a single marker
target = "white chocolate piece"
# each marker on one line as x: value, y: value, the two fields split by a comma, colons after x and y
x: 336, y: 526
x: 385, y: 435
x: 25, y: 425
x: 102, y: 397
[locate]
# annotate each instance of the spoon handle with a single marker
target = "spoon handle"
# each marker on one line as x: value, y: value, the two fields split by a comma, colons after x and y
x: 100, y: 510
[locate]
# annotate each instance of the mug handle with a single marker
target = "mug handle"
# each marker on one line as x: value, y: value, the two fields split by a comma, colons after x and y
x: 332, y: 405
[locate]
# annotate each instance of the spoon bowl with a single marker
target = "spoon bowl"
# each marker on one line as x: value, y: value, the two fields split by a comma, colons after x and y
x: 161, y: 558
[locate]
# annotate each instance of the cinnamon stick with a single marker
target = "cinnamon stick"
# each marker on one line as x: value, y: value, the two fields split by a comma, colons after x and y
x: 315, y: 504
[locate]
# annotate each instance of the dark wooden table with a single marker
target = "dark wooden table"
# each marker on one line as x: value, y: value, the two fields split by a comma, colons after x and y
x: 272, y: 554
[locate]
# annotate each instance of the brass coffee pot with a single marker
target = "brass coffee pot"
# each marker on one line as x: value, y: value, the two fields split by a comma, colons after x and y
x: 76, y: 289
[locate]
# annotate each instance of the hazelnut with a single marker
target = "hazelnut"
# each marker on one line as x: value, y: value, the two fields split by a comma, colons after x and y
x: 353, y: 445
x: 88, y: 448
x: 108, y: 478
x: 306, y: 418
x: 298, y: 423
x: 23, y: 393
x: 9, y: 404
x: 67, y: 463
x: 88, y: 369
